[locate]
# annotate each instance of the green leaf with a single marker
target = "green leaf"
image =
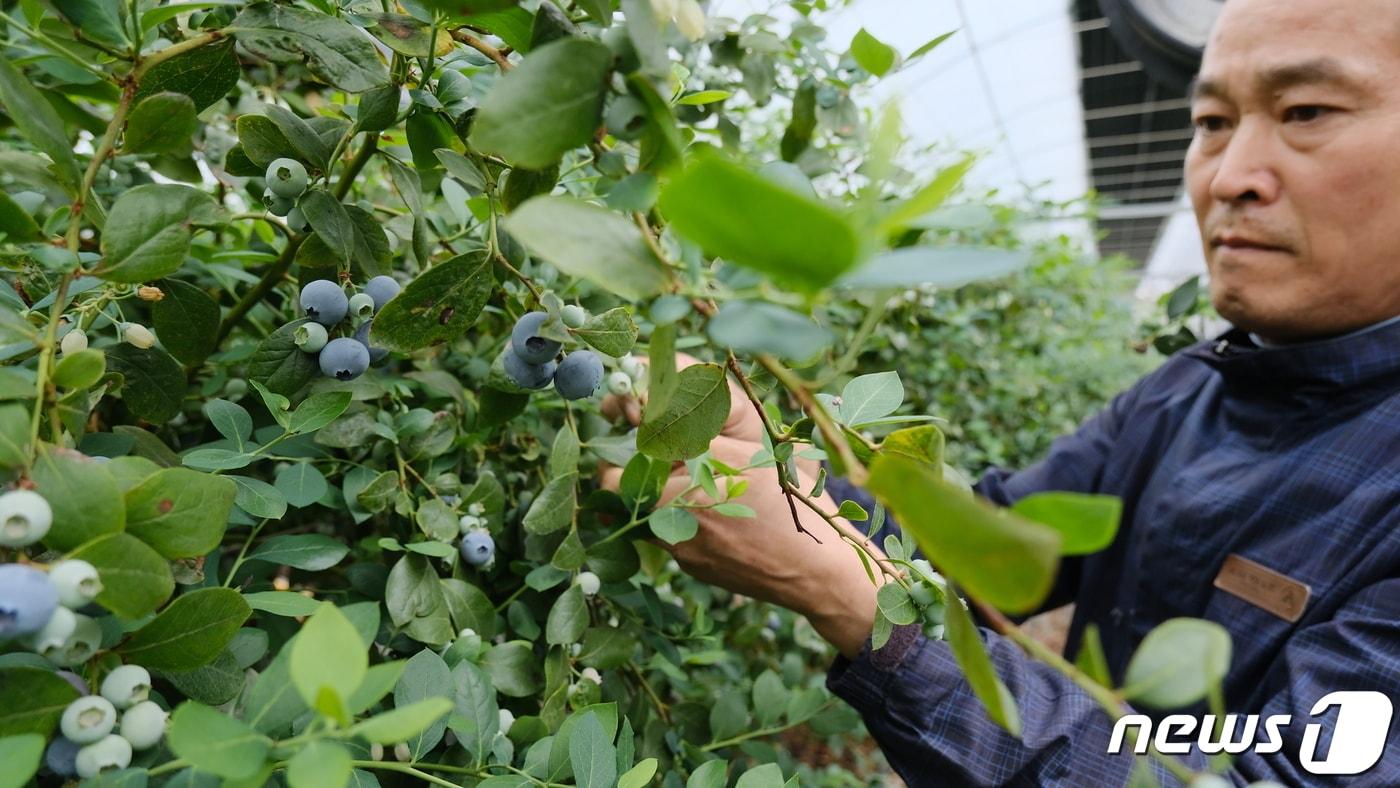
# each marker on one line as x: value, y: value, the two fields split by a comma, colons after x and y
x: 927, y: 199
x: 586, y: 241
x: 15, y: 222
x: 553, y: 508
x: 749, y: 220
x: 230, y: 419
x: 767, y: 775
x: 320, y: 764
x: 729, y: 715
x: 407, y: 35
x: 870, y: 397
x: 149, y: 230
x: 513, y: 668
x: 21, y: 755
x: 760, y: 327
x: 1087, y: 523
x: 674, y: 525
x: 404, y: 722
x: 216, y: 743
x: 638, y: 776
x: 547, y: 105
x: 282, y: 603
x: 301, y: 484
x: 318, y: 410
x: 950, y: 267
x: 261, y: 141
x: 694, y: 416
x: 32, y: 699
x: 99, y: 20
x: 14, y: 435
x: 461, y: 168
x: 83, y: 495
x: 161, y: 123
x: 331, y: 48
x: 966, y: 641
x: 39, y: 122
x: 416, y: 603
x: 592, y: 754
x: 661, y: 371
x: 330, y: 221
x: 872, y: 54
x: 216, y: 683
x: 153, y: 384
x: 895, y: 603
x: 438, y: 306
x: 186, y: 320
x: 379, y: 681
x: 180, y: 512
x: 328, y: 662
x: 305, y: 142
x: 700, y: 97
x: 605, y: 648
x: 80, y: 370
x: 311, y: 552
x: 136, y: 581
x: 998, y: 557
x: 425, y: 676
x: 258, y: 498
x: 931, y: 45
x: 1179, y: 662
x: 476, y: 718
x: 710, y: 774
x: 568, y: 618
x: 612, y: 332
x: 770, y: 697
x: 281, y: 366
x: 188, y: 633
x: 205, y: 74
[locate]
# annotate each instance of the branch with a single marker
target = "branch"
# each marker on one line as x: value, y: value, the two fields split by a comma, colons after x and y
x: 783, y: 482
x: 461, y: 35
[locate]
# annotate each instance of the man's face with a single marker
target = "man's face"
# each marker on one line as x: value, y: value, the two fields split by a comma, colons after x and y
x: 1294, y: 171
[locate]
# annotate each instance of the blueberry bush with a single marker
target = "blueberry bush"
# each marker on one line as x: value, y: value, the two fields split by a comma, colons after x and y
x: 312, y: 313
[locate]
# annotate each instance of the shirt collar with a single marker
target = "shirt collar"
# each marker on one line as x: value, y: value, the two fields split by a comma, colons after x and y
x: 1367, y: 356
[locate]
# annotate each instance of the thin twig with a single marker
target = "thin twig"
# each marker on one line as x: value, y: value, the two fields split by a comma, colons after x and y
x: 461, y: 35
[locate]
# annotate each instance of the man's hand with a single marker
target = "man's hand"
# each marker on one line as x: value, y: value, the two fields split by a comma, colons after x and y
x: 766, y: 557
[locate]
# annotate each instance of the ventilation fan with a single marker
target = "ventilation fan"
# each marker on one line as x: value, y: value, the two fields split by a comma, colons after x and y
x: 1166, y: 36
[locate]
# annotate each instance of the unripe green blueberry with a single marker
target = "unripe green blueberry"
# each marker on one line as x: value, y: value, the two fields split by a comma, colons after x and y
x: 310, y: 337
x: 55, y: 633
x: 476, y: 508
x: 296, y: 220
x: 276, y: 204
x: 88, y: 719
x: 507, y: 719
x: 592, y: 675
x: 573, y: 315
x: 626, y: 118
x: 76, y: 581
x: 575, y: 649
x: 921, y: 594
x: 108, y: 755
x: 74, y: 341
x: 143, y: 725
x: 25, y: 518
x: 286, y: 178
x: 138, y: 335
x: 632, y: 366
x: 447, y: 482
x: 588, y: 583
x: 620, y: 383
x: 376, y: 752
x: 81, y: 645
x: 126, y: 686
x: 361, y: 306
x: 468, y: 523
x: 235, y: 387
x: 403, y: 753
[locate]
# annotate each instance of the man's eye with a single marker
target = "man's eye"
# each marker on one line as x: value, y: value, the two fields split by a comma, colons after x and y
x: 1305, y: 113
x: 1210, y: 123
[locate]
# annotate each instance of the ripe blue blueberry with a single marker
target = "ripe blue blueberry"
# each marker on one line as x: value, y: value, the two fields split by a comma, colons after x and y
x: 286, y: 178
x: 381, y: 289
x: 578, y: 375
x: 27, y: 600
x: 344, y: 359
x: 108, y: 755
x: 362, y: 336
x: 25, y: 518
x: 62, y: 757
x: 310, y: 337
x: 478, y: 548
x: 143, y: 724
x: 361, y: 305
x: 88, y: 719
x: 525, y: 374
x: 127, y: 685
x: 76, y: 581
x: 531, y: 348
x: 573, y: 315
x: 324, y: 302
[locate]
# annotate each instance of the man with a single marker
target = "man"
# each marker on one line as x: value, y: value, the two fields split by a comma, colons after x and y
x: 1259, y: 471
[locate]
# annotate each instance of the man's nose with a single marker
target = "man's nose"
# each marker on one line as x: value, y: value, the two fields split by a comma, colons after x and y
x: 1246, y: 167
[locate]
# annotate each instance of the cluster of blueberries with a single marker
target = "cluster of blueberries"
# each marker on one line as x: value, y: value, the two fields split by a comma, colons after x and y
x: 326, y: 305
x: 529, y: 359
x: 286, y: 181
x: 37, y: 608
x: 477, y: 547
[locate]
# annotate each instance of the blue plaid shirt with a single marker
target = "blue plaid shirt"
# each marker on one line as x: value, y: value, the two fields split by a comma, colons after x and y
x: 1288, y: 456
